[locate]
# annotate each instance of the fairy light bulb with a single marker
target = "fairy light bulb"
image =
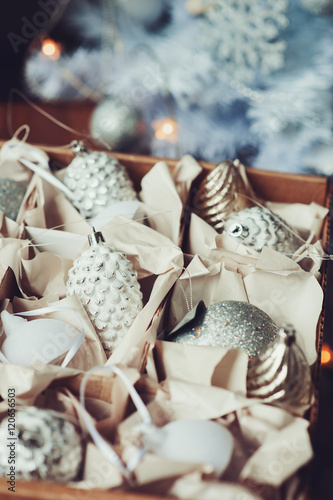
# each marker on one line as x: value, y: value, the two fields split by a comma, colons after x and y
x: 51, y: 49
x: 326, y: 354
x: 166, y: 129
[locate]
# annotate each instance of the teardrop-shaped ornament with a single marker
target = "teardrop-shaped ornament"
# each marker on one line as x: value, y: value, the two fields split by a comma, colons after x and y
x: 281, y: 374
x: 224, y: 191
x: 96, y: 181
x: 257, y: 227
x: 106, y: 284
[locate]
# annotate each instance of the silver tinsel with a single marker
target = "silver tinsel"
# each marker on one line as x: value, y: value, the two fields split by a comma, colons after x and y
x: 11, y: 196
x: 106, y: 283
x: 47, y: 447
x: 116, y: 123
x: 281, y: 374
x: 97, y: 181
x: 258, y: 227
x: 231, y: 324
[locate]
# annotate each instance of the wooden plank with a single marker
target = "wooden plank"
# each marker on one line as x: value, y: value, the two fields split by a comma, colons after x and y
x: 51, y: 491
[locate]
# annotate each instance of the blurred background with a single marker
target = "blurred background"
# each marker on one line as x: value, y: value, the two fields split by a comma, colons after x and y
x: 217, y: 79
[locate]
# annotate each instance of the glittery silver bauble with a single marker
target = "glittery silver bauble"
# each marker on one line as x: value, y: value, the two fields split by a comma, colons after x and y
x: 106, y: 284
x: 147, y: 12
x: 116, y: 123
x: 281, y: 374
x: 11, y: 196
x: 224, y: 191
x: 258, y: 227
x: 47, y: 447
x: 318, y: 7
x: 96, y: 180
x: 231, y: 324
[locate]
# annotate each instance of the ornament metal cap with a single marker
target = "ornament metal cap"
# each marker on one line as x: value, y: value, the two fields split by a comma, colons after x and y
x: 287, y: 334
x: 79, y: 148
x: 95, y: 237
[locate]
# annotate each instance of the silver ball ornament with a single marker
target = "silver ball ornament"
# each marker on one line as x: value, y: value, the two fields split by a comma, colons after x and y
x: 116, y: 123
x: 48, y: 447
x: 106, y: 284
x: 231, y: 324
x: 147, y: 12
x: 257, y: 227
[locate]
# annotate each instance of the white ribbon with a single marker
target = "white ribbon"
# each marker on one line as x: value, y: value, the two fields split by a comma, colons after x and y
x: 16, y: 149
x: 47, y: 176
x: 104, y: 447
x: 45, y: 310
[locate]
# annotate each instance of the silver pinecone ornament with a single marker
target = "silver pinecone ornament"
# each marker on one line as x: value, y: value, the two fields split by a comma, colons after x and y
x: 106, y: 284
x: 281, y: 374
x: 44, y: 446
x: 257, y: 227
x: 96, y: 181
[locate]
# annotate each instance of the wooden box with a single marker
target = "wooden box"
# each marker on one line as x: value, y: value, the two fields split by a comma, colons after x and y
x: 271, y: 186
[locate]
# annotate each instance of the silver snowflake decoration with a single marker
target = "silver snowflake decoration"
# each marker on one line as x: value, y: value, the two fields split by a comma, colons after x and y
x: 243, y: 35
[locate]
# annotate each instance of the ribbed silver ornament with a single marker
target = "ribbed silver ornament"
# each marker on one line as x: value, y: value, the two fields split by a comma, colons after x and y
x: 257, y: 227
x: 281, y: 374
x: 224, y: 191
x: 106, y: 284
x: 48, y: 447
x: 96, y: 181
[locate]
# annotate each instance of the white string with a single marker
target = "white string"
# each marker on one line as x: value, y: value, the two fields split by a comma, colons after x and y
x: 45, y: 310
x: 46, y: 115
x: 188, y: 305
x: 99, y: 441
x: 47, y: 176
x: 37, y: 245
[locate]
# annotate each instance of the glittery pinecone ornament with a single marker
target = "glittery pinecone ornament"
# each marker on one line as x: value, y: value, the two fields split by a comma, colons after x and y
x: 96, y: 180
x: 281, y: 374
x: 257, y: 227
x: 224, y: 191
x: 105, y: 282
x: 45, y: 446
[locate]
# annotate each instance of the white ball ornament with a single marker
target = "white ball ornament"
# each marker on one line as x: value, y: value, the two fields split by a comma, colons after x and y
x: 106, y: 284
x: 190, y: 440
x: 43, y: 340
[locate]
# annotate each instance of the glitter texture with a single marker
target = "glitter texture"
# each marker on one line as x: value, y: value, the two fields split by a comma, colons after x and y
x: 257, y: 227
x: 281, y: 374
x: 231, y: 324
x: 11, y: 196
x: 48, y: 447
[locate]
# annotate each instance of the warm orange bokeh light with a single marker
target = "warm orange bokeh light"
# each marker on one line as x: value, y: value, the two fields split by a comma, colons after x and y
x: 51, y: 49
x: 166, y: 129
x: 326, y: 354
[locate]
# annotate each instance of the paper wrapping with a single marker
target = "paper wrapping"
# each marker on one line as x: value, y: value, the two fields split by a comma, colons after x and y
x: 180, y: 381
